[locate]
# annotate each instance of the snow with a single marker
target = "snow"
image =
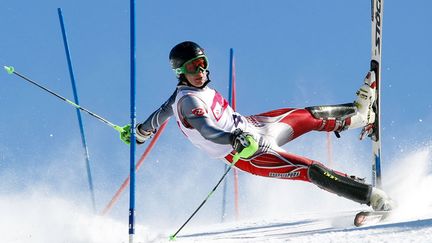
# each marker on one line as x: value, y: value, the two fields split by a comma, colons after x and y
x: 334, y: 227
x: 61, y: 222
x: 40, y: 217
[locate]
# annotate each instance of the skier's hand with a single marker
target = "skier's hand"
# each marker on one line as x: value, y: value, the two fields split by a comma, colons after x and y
x: 244, y: 143
x: 140, y: 136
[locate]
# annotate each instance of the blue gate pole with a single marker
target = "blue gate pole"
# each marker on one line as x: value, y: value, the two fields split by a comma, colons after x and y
x: 133, y: 123
x: 75, y: 93
x: 230, y: 101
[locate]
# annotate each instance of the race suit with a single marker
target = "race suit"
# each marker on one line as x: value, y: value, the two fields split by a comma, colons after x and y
x: 208, y: 121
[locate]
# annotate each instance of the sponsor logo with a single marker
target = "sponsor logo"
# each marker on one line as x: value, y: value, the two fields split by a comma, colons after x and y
x: 329, y: 175
x: 199, y: 111
x: 378, y: 25
x: 285, y: 175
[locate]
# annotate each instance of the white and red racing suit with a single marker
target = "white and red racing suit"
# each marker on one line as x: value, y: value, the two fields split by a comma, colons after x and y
x: 208, y: 121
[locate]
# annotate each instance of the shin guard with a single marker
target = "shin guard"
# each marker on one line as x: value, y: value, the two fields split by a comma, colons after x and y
x: 341, y: 185
x: 335, y: 117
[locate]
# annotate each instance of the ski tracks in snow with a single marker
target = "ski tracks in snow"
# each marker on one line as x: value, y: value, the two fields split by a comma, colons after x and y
x: 315, y: 228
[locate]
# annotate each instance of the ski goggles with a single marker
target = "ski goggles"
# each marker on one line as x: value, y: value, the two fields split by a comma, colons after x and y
x: 193, y: 66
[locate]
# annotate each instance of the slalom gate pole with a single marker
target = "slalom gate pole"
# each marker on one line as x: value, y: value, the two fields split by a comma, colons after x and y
x: 133, y: 123
x: 225, y: 185
x: 11, y: 70
x: 224, y: 196
x: 232, y: 79
x: 80, y: 122
x: 233, y: 101
x: 123, y: 186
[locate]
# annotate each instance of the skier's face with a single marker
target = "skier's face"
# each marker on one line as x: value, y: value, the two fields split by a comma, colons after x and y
x: 198, y: 79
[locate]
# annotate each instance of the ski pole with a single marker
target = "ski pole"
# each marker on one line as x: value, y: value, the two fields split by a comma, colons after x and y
x: 245, y: 153
x: 11, y: 70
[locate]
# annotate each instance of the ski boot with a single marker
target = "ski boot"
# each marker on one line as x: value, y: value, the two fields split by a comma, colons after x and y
x: 380, y: 201
x: 382, y: 205
x: 366, y: 97
x: 360, y: 113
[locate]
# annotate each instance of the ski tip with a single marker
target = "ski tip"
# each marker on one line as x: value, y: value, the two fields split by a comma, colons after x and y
x: 9, y: 69
x: 172, y: 238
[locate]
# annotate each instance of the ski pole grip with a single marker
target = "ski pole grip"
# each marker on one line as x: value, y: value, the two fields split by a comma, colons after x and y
x: 248, y: 151
x: 9, y: 69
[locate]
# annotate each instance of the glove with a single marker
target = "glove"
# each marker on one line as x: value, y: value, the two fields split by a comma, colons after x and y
x: 140, y: 137
x: 244, y: 143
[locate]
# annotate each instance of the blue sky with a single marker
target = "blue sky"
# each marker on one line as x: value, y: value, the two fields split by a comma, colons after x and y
x: 288, y: 54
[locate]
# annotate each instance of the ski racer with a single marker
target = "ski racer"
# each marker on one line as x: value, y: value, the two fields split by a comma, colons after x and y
x: 209, y: 122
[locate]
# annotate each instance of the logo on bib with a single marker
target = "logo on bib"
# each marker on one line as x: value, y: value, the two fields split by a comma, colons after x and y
x: 199, y: 111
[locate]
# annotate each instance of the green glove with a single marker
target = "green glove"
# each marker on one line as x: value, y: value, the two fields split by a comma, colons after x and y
x: 248, y: 150
x: 125, y: 134
x: 140, y: 136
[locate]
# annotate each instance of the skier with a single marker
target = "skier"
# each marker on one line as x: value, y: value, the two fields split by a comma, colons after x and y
x: 208, y: 121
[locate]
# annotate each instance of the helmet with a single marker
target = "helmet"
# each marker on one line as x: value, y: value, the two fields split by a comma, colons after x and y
x: 184, y: 52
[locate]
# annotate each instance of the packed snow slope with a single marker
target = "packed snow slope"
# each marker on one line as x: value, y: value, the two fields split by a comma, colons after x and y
x: 319, y: 227
x: 303, y: 215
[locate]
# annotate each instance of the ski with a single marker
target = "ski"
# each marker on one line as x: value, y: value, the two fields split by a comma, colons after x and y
x: 364, y: 218
x: 375, y: 65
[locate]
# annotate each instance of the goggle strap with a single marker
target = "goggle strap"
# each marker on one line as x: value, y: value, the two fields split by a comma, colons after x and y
x: 178, y: 71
